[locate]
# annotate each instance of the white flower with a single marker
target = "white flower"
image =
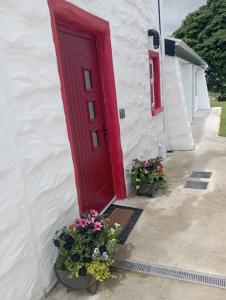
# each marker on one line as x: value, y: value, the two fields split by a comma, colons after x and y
x: 137, y: 179
x: 105, y: 256
x: 137, y: 187
x: 96, y: 251
x: 112, y: 230
x: 117, y: 225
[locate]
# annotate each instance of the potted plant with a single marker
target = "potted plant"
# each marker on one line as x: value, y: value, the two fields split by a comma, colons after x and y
x: 147, y: 176
x: 85, y: 251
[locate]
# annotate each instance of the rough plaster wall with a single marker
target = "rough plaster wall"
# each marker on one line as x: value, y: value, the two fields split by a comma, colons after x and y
x: 38, y: 193
x: 142, y: 135
x: 187, y: 73
x: 202, y: 96
x: 36, y: 175
x: 178, y: 125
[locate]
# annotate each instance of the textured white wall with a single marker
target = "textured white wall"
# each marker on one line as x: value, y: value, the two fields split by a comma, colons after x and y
x: 38, y: 193
x: 178, y: 125
x: 203, y: 101
x: 187, y: 73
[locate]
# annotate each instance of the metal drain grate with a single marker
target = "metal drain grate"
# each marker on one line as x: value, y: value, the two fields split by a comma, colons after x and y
x: 196, y: 174
x: 171, y: 272
x: 197, y: 185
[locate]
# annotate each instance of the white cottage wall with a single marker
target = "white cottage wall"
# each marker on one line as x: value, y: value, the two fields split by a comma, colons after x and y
x: 178, y: 125
x: 203, y: 101
x: 38, y: 190
x: 187, y: 73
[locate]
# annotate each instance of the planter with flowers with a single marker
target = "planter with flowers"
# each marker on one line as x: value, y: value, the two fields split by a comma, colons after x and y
x: 85, y: 251
x: 147, y: 176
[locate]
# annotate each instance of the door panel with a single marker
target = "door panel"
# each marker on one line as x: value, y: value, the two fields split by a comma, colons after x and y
x: 87, y: 117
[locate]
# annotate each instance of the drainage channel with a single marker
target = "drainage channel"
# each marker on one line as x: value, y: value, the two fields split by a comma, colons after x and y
x: 171, y: 272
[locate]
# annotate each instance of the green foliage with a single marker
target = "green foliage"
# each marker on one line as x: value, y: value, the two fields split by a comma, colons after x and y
x: 87, y: 246
x: 205, y: 32
x: 146, y: 172
x: 222, y: 128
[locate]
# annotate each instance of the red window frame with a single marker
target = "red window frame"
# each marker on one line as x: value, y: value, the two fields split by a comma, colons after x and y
x: 157, y: 107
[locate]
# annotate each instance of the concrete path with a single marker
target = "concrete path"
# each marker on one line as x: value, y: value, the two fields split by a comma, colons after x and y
x: 180, y: 227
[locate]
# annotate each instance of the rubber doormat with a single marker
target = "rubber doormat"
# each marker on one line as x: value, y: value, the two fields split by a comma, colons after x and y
x: 197, y: 185
x: 126, y: 216
x: 196, y: 174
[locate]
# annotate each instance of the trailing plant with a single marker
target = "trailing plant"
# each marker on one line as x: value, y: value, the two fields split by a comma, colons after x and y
x: 87, y: 246
x: 147, y: 172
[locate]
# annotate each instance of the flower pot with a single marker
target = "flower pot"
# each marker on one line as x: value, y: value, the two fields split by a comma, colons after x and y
x: 79, y: 283
x: 148, y: 189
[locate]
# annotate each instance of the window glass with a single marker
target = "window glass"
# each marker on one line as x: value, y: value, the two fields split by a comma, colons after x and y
x: 95, y: 138
x: 92, y: 112
x: 88, y: 81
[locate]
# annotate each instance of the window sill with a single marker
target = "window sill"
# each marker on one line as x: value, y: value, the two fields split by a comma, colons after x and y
x: 156, y: 111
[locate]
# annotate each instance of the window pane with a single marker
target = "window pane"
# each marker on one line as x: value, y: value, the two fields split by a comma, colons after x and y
x: 151, y: 71
x: 95, y: 138
x: 92, y: 112
x: 152, y: 95
x: 88, y: 82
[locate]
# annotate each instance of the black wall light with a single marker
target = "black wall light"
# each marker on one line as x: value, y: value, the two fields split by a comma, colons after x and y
x: 156, y: 37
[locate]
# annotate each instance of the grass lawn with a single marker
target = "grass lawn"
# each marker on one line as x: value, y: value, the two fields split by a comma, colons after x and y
x: 222, y: 129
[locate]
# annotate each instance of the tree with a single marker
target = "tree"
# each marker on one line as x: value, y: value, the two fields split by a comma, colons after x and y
x: 205, y: 32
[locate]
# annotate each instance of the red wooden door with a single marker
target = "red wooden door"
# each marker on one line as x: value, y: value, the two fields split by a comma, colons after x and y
x: 87, y: 117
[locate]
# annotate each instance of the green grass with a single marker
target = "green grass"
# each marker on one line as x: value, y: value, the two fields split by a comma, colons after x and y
x: 222, y: 129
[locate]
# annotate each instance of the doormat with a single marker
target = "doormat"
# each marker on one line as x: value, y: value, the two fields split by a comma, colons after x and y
x: 126, y: 216
x: 196, y: 174
x: 197, y: 185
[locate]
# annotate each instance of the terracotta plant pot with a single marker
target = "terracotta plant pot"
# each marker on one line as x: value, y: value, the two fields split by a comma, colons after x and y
x: 148, y: 189
x: 79, y: 283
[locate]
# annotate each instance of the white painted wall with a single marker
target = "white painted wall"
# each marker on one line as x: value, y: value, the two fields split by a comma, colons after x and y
x: 187, y: 74
x: 37, y: 188
x: 202, y: 96
x: 178, y: 124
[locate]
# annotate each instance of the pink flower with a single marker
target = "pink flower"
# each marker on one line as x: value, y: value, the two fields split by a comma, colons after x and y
x: 146, y: 164
x: 77, y: 222
x: 93, y: 213
x: 97, y: 226
x: 81, y: 222
x: 90, y: 221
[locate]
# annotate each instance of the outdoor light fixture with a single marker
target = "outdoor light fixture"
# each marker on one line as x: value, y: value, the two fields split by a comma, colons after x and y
x: 156, y: 37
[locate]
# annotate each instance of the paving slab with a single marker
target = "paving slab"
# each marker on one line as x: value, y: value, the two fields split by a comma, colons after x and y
x: 134, y: 286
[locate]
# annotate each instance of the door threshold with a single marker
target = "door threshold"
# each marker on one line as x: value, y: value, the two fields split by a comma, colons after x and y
x: 106, y: 207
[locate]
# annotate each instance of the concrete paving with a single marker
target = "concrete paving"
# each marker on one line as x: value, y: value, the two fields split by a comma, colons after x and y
x: 179, y: 227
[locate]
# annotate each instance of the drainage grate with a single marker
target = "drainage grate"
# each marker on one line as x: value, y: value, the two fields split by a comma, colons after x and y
x: 171, y: 272
x: 196, y: 174
x: 197, y: 185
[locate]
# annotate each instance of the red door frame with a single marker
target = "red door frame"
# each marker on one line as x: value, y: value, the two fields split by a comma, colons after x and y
x: 80, y: 20
x: 157, y: 83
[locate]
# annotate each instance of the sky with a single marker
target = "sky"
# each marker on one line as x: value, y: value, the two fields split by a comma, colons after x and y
x: 174, y: 11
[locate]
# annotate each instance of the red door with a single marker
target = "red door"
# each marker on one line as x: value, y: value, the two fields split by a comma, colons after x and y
x: 87, y: 117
